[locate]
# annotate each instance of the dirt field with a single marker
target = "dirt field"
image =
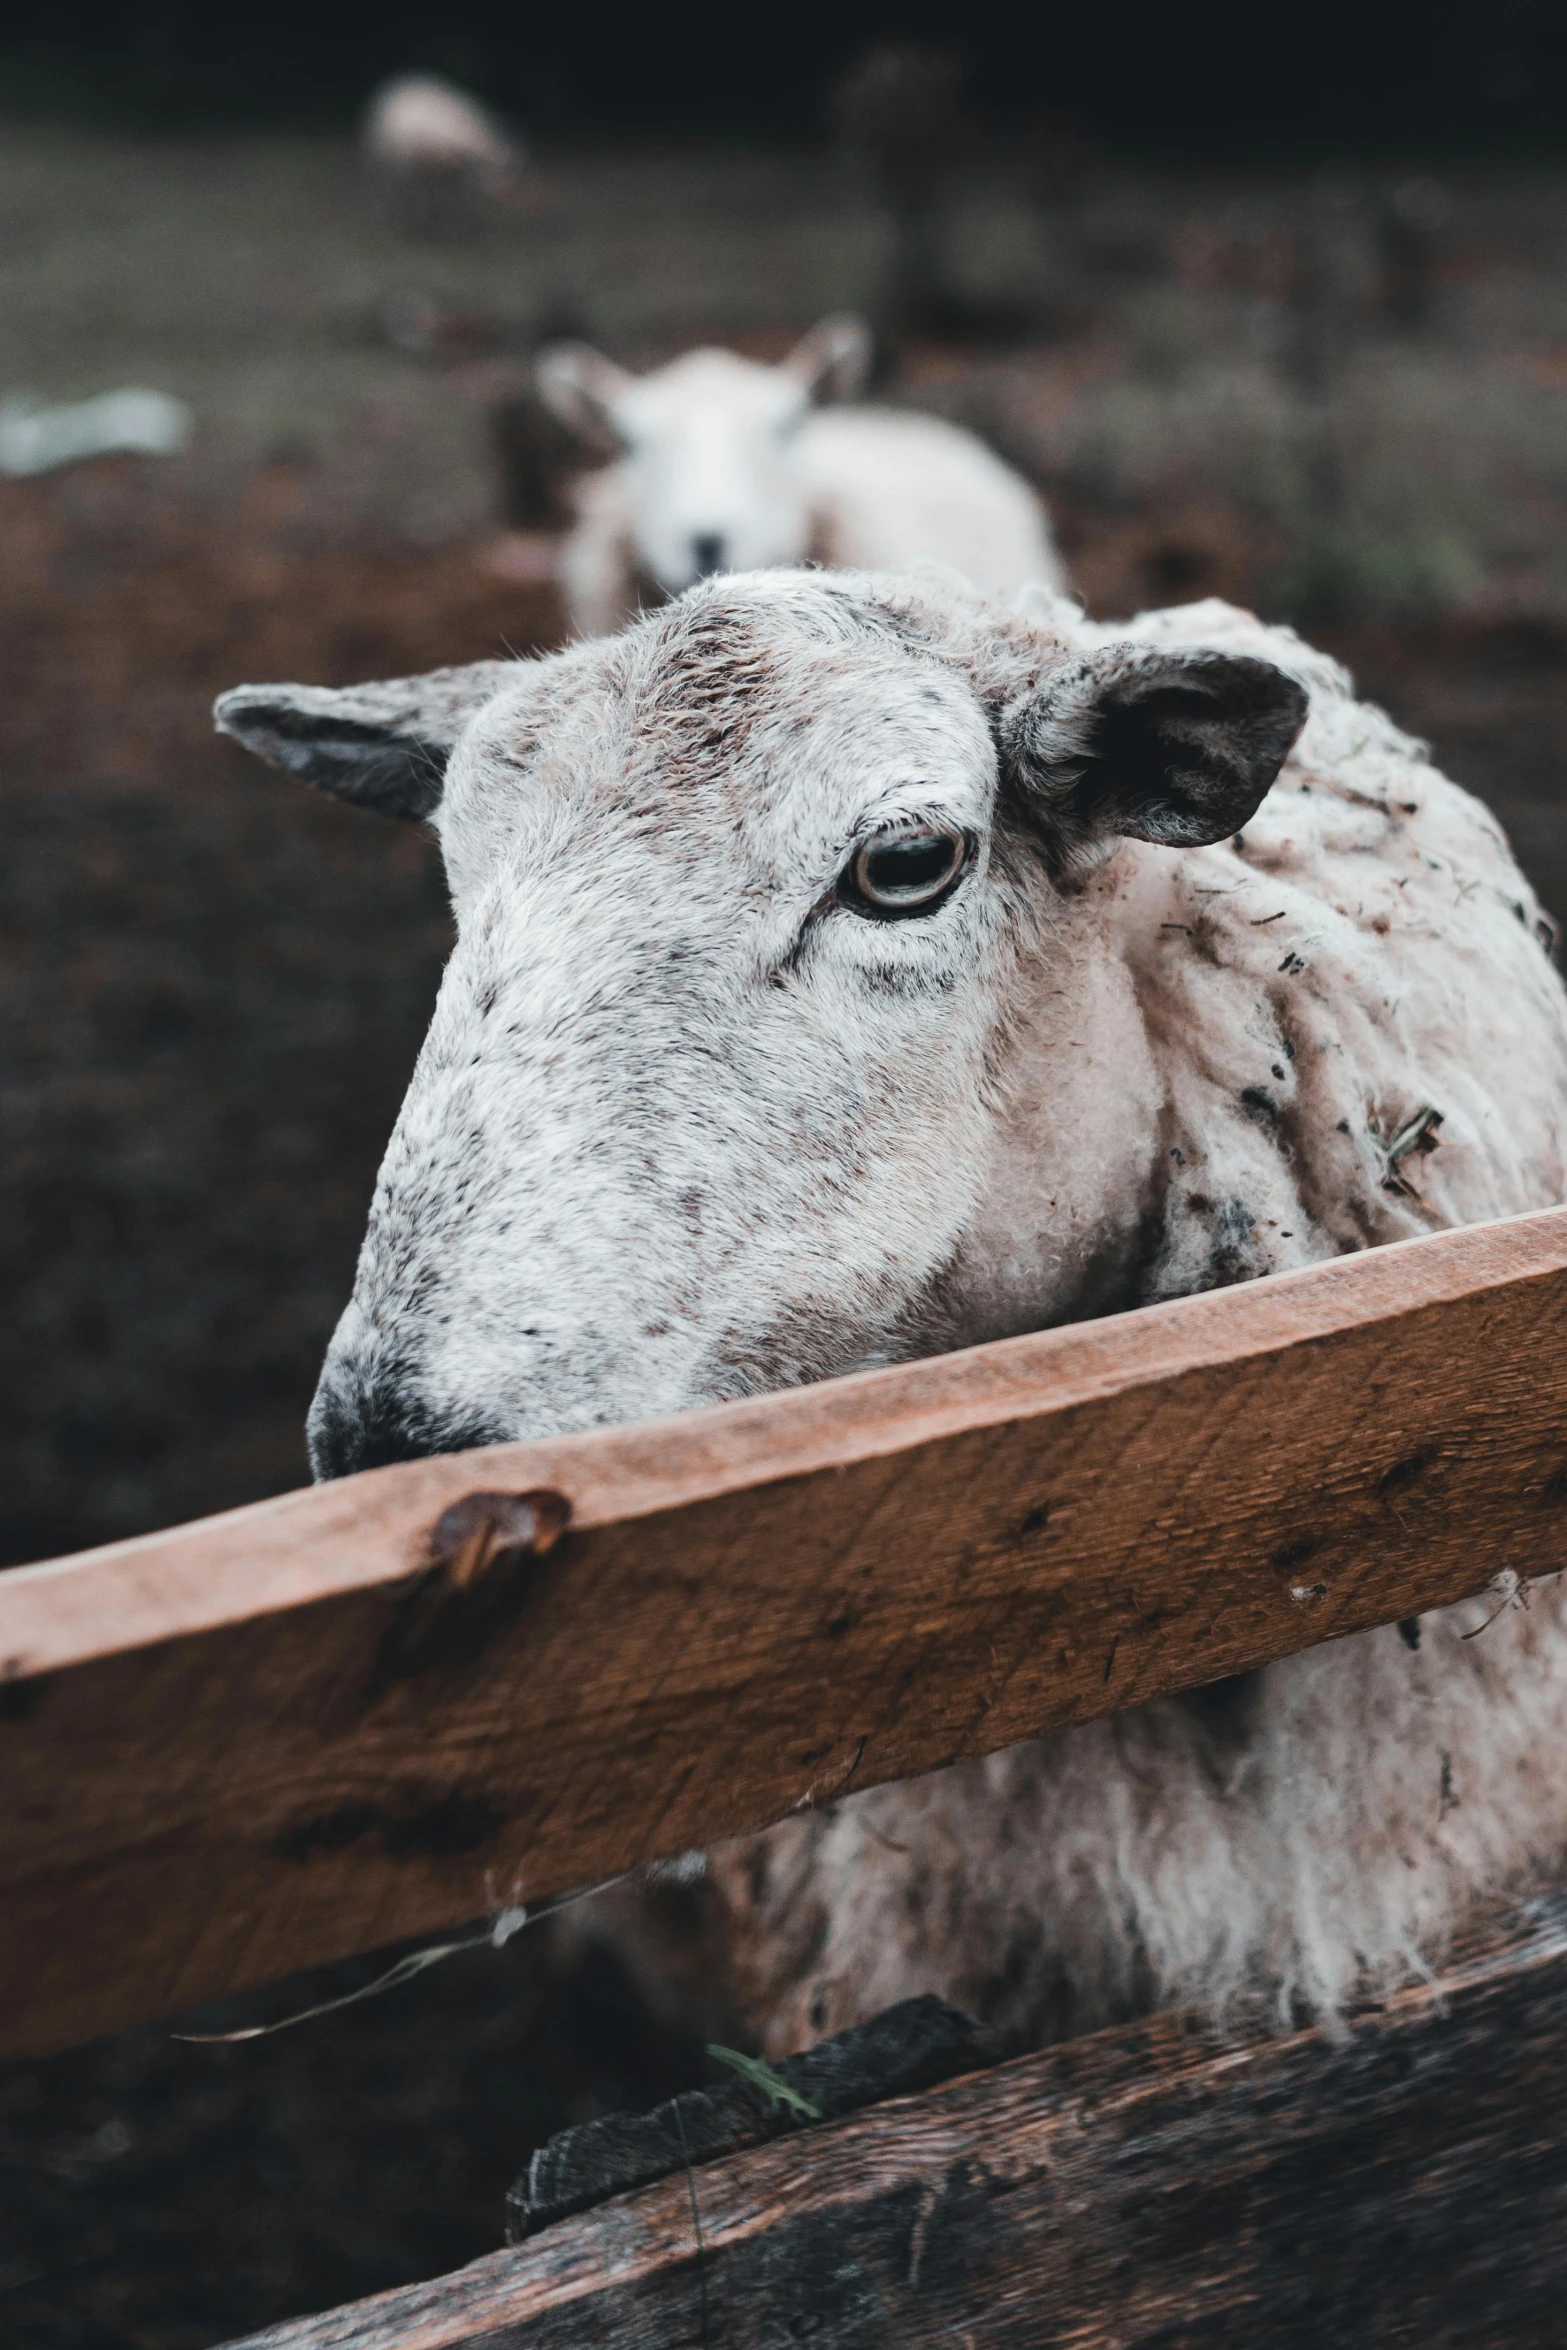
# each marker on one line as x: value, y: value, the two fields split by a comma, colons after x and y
x: 213, y: 986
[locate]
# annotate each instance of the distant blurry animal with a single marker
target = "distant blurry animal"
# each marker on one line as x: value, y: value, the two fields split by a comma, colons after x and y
x: 439, y: 155
x: 724, y: 465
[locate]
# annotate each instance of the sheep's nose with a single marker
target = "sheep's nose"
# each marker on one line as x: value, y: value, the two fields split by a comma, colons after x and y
x: 709, y: 549
x: 357, y: 1424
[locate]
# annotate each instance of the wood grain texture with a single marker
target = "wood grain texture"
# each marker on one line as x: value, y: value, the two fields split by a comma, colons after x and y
x: 1140, y: 2189
x: 249, y: 1745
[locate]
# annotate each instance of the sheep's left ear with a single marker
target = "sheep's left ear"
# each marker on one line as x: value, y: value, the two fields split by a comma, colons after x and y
x: 381, y: 746
x: 584, y: 389
x: 834, y: 359
x: 1174, y: 747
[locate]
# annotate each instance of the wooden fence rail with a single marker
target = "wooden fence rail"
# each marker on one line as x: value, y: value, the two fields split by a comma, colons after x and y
x: 1139, y: 2189
x: 381, y: 1707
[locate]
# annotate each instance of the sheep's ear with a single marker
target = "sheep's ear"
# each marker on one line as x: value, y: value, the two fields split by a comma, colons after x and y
x: 833, y: 361
x: 1175, y: 747
x: 382, y: 746
x: 582, y: 387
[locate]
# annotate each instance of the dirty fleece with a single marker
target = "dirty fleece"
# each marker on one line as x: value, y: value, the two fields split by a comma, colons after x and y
x: 1359, y: 1037
x: 685, y: 1127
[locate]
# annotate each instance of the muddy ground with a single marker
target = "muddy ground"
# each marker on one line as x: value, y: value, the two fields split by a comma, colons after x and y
x: 213, y: 985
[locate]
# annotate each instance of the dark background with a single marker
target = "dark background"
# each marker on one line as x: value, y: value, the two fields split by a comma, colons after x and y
x: 1235, y: 77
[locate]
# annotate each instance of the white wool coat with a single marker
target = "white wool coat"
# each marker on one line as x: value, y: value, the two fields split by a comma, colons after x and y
x: 689, y: 1124
x: 1304, y: 1837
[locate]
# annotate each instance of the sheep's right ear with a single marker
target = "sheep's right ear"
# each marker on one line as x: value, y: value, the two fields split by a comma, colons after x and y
x: 582, y: 387
x: 382, y: 746
x: 834, y: 360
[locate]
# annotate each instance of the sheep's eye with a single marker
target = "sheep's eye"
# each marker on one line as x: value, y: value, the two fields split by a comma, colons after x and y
x: 905, y: 872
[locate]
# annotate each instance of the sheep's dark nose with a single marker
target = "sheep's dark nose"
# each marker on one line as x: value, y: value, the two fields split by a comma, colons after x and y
x: 354, y: 1426
x: 709, y: 550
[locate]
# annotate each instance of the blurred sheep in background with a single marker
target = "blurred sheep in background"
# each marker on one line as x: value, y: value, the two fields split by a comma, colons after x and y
x: 440, y: 157
x: 724, y: 465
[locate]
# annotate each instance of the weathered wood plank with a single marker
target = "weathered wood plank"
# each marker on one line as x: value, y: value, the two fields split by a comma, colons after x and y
x: 1136, y: 2190
x: 245, y: 1746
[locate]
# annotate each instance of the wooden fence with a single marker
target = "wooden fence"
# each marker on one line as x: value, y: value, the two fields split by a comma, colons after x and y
x: 390, y: 1705
x: 1134, y: 2190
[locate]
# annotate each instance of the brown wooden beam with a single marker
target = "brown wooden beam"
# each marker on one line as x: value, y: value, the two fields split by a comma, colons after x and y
x: 350, y: 1715
x: 1137, y: 2190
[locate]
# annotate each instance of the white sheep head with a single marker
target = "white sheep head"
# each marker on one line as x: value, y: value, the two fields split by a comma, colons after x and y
x: 757, y: 905
x: 706, y: 444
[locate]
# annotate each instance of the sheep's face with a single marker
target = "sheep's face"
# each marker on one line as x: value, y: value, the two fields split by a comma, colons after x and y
x: 707, y: 447
x: 710, y: 1092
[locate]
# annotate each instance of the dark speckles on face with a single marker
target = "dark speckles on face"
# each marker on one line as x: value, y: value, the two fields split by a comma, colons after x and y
x: 1234, y: 1255
x: 703, y: 1161
x: 897, y: 979
x: 715, y: 676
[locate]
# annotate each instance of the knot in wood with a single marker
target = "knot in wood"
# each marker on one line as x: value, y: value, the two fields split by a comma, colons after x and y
x: 488, y: 1530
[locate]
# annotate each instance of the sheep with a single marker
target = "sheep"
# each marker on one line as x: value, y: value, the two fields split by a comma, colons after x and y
x: 437, y: 152
x: 727, y: 466
x: 850, y: 968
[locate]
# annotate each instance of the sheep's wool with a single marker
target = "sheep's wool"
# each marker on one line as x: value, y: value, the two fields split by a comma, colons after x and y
x: 1366, y: 949
x: 689, y: 1126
